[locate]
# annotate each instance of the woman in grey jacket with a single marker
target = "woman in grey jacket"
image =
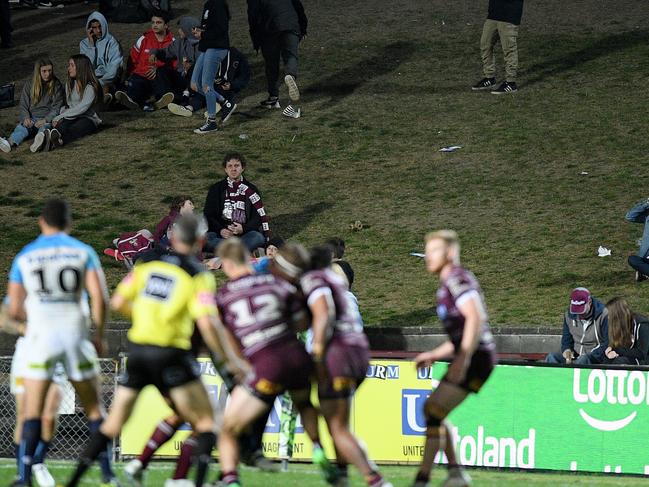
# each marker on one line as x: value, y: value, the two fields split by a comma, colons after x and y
x: 40, y: 101
x: 628, y: 335
x: 78, y: 118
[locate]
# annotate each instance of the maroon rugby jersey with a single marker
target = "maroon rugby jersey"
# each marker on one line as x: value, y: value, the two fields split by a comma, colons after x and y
x: 460, y: 284
x: 347, y: 325
x: 258, y: 310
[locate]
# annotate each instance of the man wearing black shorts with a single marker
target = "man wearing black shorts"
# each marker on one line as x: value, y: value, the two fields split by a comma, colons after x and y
x: 462, y: 310
x: 164, y: 297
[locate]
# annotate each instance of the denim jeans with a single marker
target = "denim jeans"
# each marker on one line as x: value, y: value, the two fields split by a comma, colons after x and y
x: 252, y: 240
x: 640, y: 214
x: 557, y: 358
x: 21, y: 132
x: 205, y: 69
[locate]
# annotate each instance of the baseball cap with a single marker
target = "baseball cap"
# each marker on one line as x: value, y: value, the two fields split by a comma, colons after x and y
x: 579, y: 299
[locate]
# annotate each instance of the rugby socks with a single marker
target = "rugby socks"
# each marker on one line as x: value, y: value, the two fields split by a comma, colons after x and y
x: 28, y: 444
x: 17, y: 455
x: 204, y: 445
x: 229, y: 478
x: 422, y: 477
x: 98, y: 444
x: 41, y: 451
x: 102, y: 457
x: 185, y: 459
x: 342, y: 470
x: 163, y: 433
x: 374, y: 479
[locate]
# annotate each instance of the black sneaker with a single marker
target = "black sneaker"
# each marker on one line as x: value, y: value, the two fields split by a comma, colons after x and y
x: 207, y: 128
x: 227, y: 109
x: 484, y: 84
x: 505, y: 88
x: 639, y: 276
x: 270, y: 102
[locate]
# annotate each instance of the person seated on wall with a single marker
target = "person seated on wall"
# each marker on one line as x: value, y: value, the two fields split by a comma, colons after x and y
x: 628, y: 335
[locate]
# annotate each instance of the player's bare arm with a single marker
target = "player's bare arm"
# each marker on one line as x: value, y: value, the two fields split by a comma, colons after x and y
x: 322, y: 316
x: 17, y: 295
x: 214, y: 335
x: 441, y: 352
x: 122, y: 305
x: 98, y: 292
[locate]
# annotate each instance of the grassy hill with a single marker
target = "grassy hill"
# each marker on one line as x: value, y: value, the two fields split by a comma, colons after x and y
x: 386, y: 84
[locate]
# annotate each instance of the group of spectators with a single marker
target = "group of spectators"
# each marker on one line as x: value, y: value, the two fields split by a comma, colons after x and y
x: 594, y: 333
x: 184, y: 73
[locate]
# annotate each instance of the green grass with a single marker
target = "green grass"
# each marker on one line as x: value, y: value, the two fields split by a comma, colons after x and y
x: 306, y: 476
x: 384, y: 87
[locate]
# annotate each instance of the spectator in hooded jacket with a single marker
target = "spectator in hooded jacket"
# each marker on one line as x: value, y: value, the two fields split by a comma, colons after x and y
x: 214, y: 45
x: 149, y: 75
x: 104, y: 53
x: 40, y: 102
x: 82, y: 94
x: 232, y: 76
x: 585, y: 331
x: 276, y: 27
x: 628, y: 335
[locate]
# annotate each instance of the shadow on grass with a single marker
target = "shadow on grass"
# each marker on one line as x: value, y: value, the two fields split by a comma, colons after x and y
x: 601, y: 47
x: 411, y: 318
x: 289, y: 224
x: 344, y: 82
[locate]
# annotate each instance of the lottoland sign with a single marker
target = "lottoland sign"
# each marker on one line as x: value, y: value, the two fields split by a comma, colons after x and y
x: 525, y: 417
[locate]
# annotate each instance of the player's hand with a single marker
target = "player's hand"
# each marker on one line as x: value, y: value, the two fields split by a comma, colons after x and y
x: 55, y: 123
x: 611, y: 354
x: 456, y: 372
x: 425, y: 359
x: 153, y: 59
x: 240, y: 369
x: 9, y: 325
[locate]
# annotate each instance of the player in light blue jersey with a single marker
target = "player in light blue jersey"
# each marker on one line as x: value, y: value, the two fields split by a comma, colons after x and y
x: 49, y: 284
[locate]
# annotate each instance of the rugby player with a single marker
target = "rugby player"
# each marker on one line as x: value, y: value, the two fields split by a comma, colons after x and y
x: 471, y: 348
x: 46, y: 287
x: 340, y: 351
x: 164, y: 296
x: 258, y: 310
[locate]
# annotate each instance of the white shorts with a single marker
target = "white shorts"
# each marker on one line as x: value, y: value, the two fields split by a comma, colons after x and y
x: 18, y: 362
x: 68, y: 347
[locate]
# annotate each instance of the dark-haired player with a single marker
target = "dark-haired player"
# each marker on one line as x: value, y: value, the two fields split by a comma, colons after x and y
x: 259, y: 312
x: 165, y: 296
x: 341, y: 352
x: 462, y: 310
x: 49, y: 282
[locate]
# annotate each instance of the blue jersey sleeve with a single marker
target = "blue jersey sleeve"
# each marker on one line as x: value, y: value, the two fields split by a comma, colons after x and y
x: 93, y: 263
x: 15, y: 275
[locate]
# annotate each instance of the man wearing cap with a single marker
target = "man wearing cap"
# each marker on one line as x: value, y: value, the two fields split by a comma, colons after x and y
x: 585, y: 331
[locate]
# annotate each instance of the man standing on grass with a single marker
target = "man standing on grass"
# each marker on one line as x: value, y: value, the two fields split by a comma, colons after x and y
x: 277, y: 27
x: 502, y: 22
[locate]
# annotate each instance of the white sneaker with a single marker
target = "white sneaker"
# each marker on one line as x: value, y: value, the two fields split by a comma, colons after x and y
x: 134, y: 471
x: 291, y: 112
x: 42, y: 476
x: 179, y: 483
x: 179, y: 110
x: 457, y: 477
x: 293, y: 90
x: 39, y: 140
x: 5, y: 146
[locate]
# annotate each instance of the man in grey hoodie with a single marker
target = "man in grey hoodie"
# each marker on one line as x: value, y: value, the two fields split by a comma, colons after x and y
x: 104, y: 53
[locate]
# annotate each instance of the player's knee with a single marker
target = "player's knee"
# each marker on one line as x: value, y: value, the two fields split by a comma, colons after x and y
x: 205, y: 424
x: 174, y: 421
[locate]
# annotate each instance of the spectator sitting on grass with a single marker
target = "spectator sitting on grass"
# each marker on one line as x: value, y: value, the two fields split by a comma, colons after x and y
x: 628, y: 335
x: 585, y: 331
x: 82, y: 93
x: 40, y: 102
x: 232, y: 76
x: 640, y: 262
x: 148, y: 75
x: 233, y: 207
x: 180, y: 205
x: 104, y: 52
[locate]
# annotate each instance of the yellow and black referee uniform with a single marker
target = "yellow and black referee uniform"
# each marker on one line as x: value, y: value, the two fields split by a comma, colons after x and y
x: 168, y: 293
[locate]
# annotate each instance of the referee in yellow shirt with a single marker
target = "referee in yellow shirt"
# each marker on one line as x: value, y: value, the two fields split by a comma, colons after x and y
x: 164, y: 296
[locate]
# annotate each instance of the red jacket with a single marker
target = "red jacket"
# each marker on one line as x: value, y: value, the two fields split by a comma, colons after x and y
x: 142, y: 49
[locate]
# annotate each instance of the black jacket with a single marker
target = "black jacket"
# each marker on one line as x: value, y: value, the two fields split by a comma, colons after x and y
x: 270, y: 17
x: 637, y: 353
x: 509, y: 11
x: 234, y: 69
x: 215, y: 23
x: 213, y: 209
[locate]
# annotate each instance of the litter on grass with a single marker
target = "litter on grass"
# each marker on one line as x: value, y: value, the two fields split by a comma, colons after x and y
x: 417, y: 254
x: 603, y: 251
x: 450, y: 148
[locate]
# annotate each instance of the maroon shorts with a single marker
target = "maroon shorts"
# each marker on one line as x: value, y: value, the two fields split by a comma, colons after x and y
x: 480, y: 368
x: 280, y: 368
x: 346, y: 369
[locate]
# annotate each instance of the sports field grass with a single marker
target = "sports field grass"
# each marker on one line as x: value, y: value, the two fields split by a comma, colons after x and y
x: 385, y: 84
x: 307, y: 476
